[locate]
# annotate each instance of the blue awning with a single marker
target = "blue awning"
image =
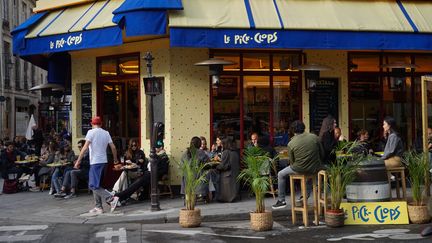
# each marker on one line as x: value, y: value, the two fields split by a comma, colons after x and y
x: 303, y: 24
x: 298, y: 39
x: 134, y: 5
x: 145, y: 17
x: 93, y: 25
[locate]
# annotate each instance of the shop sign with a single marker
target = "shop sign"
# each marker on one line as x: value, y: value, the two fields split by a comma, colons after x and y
x: 250, y: 38
x: 375, y: 213
x: 71, y: 40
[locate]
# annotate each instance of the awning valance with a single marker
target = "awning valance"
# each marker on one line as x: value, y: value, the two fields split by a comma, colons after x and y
x: 91, y: 25
x: 321, y: 24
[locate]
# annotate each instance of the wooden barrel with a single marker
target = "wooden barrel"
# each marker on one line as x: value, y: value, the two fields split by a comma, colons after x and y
x: 371, y: 184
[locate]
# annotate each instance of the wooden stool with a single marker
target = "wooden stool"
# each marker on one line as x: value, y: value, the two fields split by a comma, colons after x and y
x: 304, y: 209
x: 399, y: 174
x: 322, y: 193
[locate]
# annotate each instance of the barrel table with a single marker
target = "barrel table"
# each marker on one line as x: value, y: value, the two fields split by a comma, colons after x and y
x: 370, y: 184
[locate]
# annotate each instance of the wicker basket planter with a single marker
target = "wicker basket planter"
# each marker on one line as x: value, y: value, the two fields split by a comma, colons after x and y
x: 190, y: 218
x: 261, y: 221
x: 418, y: 214
x: 334, y: 218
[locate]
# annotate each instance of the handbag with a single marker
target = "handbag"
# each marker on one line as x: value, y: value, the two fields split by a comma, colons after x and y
x: 10, y: 186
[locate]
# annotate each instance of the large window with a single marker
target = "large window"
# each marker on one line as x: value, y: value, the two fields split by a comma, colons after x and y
x: 119, y: 95
x: 260, y: 93
x: 378, y: 90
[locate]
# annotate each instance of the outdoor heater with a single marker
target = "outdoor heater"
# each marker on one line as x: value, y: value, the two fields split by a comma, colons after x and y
x: 215, y: 68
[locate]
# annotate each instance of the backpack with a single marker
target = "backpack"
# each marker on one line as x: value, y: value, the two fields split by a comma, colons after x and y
x: 10, y: 186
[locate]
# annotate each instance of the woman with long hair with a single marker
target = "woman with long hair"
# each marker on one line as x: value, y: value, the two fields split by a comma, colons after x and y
x: 229, y: 169
x: 394, y: 147
x: 135, y: 163
x: 194, y: 147
x: 328, y: 139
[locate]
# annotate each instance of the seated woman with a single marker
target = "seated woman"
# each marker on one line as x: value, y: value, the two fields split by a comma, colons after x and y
x: 65, y: 155
x: 134, y: 158
x: 41, y: 169
x: 229, y: 168
x: 144, y: 179
x: 202, y: 158
x: 394, y: 148
x: 72, y: 177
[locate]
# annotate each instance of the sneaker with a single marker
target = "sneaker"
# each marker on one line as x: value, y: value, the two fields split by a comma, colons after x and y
x: 35, y: 189
x: 96, y: 211
x: 51, y: 191
x: 300, y: 199
x: 279, y: 204
x: 113, y: 202
x: 69, y: 196
x: 60, y: 194
x: 392, y: 178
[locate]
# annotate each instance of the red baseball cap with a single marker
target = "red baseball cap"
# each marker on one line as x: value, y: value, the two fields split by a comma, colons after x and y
x: 96, y: 120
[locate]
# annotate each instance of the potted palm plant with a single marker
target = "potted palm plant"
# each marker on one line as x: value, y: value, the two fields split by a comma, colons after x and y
x: 194, y: 175
x: 255, y: 174
x: 340, y: 174
x: 417, y: 165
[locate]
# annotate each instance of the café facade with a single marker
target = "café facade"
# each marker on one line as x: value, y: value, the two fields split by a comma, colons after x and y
x: 373, y: 53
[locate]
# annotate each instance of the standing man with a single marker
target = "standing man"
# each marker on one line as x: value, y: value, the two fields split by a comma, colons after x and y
x: 305, y: 153
x: 97, y: 140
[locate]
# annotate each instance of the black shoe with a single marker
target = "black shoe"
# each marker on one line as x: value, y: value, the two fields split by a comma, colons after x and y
x: 279, y: 204
x: 60, y: 195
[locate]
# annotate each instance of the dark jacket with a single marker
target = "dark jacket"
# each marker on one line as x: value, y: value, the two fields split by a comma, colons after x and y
x: 305, y: 153
x: 229, y: 169
x: 329, y: 143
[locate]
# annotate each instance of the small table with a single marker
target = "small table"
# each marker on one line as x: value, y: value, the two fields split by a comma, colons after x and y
x: 58, y: 164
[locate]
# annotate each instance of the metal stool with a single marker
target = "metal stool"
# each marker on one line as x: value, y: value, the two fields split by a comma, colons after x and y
x: 322, y: 191
x: 304, y: 209
x: 399, y: 174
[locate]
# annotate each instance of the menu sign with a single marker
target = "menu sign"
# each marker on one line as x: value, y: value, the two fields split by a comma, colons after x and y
x: 86, y: 108
x: 323, y: 101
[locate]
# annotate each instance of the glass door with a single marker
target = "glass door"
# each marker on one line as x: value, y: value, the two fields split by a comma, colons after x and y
x: 112, y: 112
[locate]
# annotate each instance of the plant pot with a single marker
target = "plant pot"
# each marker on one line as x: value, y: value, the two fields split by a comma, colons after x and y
x: 261, y: 221
x: 418, y: 214
x: 334, y: 218
x: 190, y: 218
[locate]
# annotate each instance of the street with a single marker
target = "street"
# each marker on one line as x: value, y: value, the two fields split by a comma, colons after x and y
x: 229, y: 231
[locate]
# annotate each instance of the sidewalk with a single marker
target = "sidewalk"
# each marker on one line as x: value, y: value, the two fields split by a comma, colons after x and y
x: 41, y: 207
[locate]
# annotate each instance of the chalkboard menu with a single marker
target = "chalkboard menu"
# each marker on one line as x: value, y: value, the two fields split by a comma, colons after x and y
x: 86, y: 108
x: 323, y: 101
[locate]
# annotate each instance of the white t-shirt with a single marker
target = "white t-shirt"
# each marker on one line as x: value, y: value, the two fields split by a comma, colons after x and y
x: 99, y: 140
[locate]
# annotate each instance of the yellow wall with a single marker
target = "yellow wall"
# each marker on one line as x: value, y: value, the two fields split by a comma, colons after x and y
x: 187, y: 106
x: 337, y: 60
x: 83, y: 71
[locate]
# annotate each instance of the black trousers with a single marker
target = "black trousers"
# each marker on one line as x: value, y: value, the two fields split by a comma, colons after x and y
x: 143, y: 181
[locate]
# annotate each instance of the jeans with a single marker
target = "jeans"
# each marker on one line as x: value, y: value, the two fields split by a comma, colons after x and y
x: 72, y: 177
x: 282, y: 182
x: 99, y: 194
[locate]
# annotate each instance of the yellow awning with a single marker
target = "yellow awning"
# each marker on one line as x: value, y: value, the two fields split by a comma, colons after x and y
x: 293, y: 14
x: 78, y: 18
